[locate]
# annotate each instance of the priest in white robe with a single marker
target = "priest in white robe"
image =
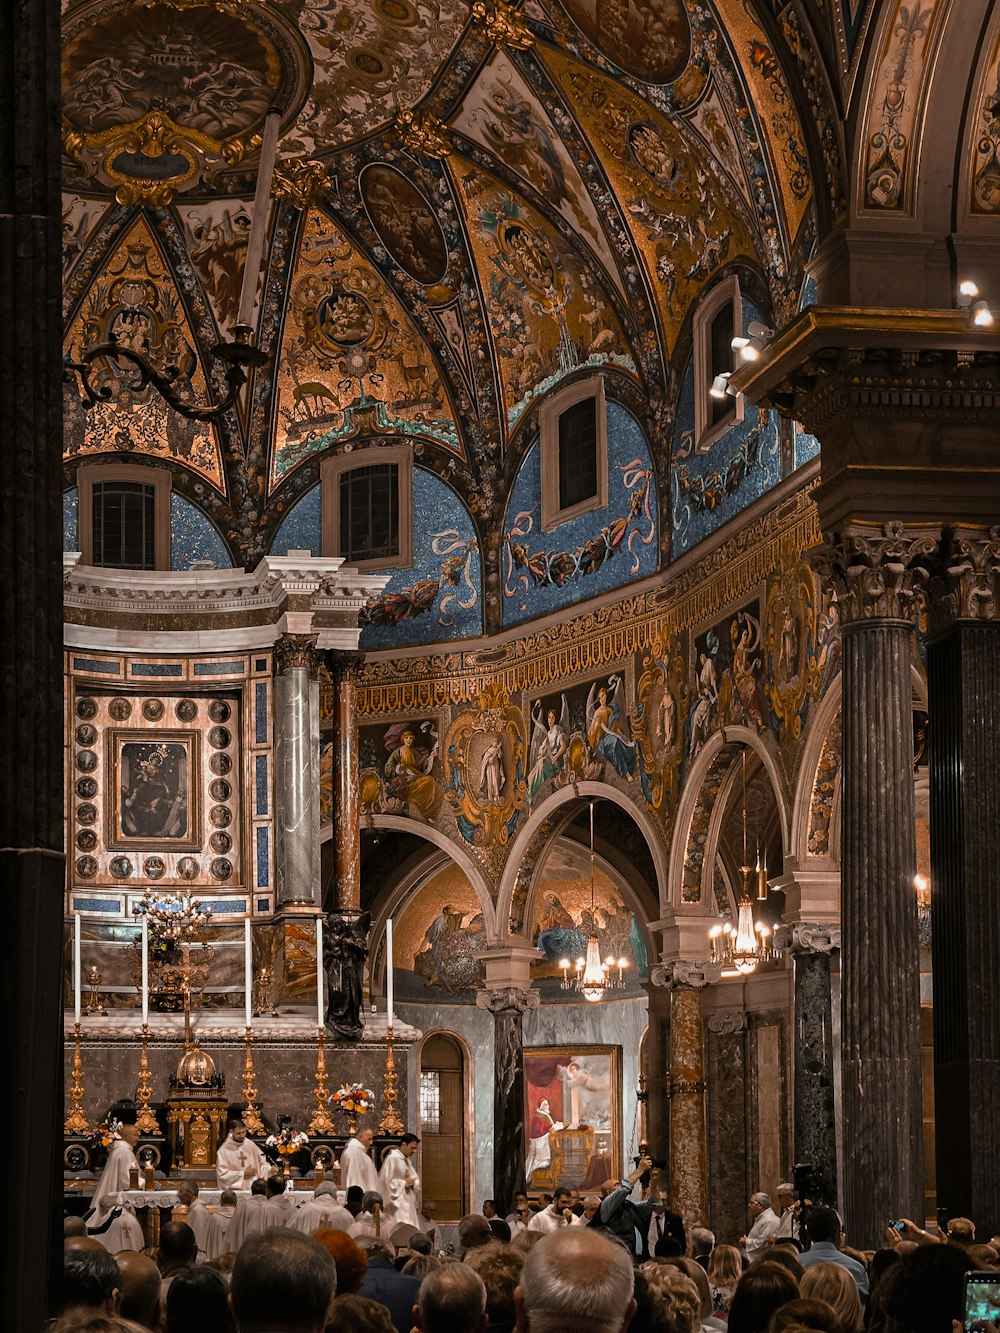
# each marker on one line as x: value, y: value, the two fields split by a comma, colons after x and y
x: 400, y: 1186
x: 322, y: 1210
x: 356, y: 1165
x: 217, y: 1231
x: 253, y: 1214
x: 280, y: 1205
x: 122, y: 1232
x: 199, y: 1219
x: 239, y: 1162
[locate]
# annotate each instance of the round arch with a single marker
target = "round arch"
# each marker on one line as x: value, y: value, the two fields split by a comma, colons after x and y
x: 548, y: 811
x: 823, y: 720
x: 707, y: 756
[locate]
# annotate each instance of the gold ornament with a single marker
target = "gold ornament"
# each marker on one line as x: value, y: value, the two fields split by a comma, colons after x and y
x: 301, y: 181
x: 503, y: 25
x: 423, y: 133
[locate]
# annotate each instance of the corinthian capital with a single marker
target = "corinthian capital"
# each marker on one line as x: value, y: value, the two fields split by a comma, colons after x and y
x: 968, y: 583
x: 877, y: 572
x: 296, y: 650
x: 808, y: 937
x: 507, y: 999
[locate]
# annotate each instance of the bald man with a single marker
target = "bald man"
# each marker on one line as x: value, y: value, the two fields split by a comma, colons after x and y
x: 140, y: 1294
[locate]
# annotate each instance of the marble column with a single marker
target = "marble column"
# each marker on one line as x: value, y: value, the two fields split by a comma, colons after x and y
x: 32, y: 864
x: 963, y: 671
x: 730, y: 1177
x: 814, y: 1117
x: 508, y: 1004
x: 877, y: 572
x: 346, y: 670
x: 686, y: 1086
x: 297, y: 772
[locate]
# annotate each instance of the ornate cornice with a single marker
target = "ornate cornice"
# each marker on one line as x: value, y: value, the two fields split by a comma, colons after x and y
x: 508, y: 999
x: 877, y: 571
x: 686, y: 974
x: 966, y: 585
x: 808, y: 937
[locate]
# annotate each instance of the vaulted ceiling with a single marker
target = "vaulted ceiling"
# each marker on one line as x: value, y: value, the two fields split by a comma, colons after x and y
x: 471, y: 203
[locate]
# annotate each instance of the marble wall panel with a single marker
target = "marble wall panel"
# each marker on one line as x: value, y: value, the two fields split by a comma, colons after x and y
x: 727, y: 1133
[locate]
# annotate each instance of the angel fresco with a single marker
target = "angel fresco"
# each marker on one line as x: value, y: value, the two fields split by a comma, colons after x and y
x: 409, y: 767
x: 549, y: 743
x: 605, y: 728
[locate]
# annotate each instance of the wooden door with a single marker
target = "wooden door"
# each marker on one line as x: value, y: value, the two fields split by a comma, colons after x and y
x: 442, y: 1126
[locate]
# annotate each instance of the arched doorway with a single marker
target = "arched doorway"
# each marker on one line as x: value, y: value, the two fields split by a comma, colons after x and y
x: 442, y: 1125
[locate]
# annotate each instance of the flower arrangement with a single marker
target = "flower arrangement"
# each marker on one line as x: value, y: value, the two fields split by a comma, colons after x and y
x: 105, y: 1135
x: 354, y: 1098
x: 287, y: 1141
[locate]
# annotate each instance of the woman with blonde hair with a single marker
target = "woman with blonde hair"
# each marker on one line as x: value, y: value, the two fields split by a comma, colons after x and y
x: 834, y: 1284
x: 675, y: 1295
x: 725, y: 1268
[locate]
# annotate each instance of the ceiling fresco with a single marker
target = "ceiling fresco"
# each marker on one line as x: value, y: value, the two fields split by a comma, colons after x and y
x: 472, y: 203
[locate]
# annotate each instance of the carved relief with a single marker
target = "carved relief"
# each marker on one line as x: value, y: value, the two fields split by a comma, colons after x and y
x: 876, y: 572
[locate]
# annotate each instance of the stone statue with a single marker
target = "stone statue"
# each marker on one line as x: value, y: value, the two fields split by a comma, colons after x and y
x: 345, y: 948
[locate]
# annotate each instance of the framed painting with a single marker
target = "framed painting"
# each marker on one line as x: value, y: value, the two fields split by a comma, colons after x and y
x: 572, y: 1111
x: 155, y: 790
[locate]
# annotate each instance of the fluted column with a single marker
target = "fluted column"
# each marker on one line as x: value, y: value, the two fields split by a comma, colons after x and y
x: 963, y: 671
x: 508, y: 1005
x: 877, y: 573
x: 297, y: 771
x: 686, y: 1086
x: 345, y: 670
x: 32, y: 864
x: 814, y: 1126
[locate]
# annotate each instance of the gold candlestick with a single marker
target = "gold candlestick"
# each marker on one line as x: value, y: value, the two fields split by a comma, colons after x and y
x: 76, y: 1122
x: 251, y: 1112
x: 94, y: 1005
x: 145, y: 1121
x: 321, y: 1122
x: 390, y: 1122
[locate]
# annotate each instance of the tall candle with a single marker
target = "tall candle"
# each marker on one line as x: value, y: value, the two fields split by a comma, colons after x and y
x: 258, y: 217
x: 145, y: 969
x: 76, y: 967
x: 248, y: 970
x: 388, y: 971
x: 320, y: 1014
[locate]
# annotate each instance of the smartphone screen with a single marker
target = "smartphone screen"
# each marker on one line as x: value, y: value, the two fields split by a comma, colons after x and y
x: 981, y: 1307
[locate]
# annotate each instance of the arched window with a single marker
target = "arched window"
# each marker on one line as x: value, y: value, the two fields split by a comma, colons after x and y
x: 124, y: 516
x: 442, y: 1125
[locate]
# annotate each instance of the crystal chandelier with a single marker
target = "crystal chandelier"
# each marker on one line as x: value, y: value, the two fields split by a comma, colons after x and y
x: 743, y: 948
x: 592, y: 977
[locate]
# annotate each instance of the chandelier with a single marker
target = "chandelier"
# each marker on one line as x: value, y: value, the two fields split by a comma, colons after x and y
x: 744, y: 947
x: 592, y: 977
x: 174, y: 917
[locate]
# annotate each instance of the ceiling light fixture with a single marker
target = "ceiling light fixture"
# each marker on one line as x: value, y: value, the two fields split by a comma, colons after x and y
x: 592, y: 977
x: 751, y: 346
x: 721, y: 386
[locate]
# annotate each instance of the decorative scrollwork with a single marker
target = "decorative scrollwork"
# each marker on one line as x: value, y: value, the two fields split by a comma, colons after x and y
x: 878, y: 573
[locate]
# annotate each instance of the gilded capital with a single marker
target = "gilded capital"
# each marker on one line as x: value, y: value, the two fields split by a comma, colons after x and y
x: 507, y: 999
x: 877, y: 571
x: 296, y: 650
x: 966, y: 585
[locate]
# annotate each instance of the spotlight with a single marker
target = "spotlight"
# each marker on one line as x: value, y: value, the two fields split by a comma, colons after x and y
x: 720, y: 385
x: 966, y: 291
x: 751, y: 346
x: 980, y: 314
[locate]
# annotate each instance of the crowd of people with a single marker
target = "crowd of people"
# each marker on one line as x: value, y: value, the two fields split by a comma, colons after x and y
x: 602, y: 1263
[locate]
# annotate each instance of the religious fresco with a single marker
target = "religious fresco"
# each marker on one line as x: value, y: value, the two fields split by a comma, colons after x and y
x: 582, y: 732
x: 406, y: 223
x: 136, y: 301
x: 594, y: 553
x: 727, y: 661
x: 351, y: 358
x: 648, y: 38
x: 503, y: 115
x: 80, y: 219
x: 824, y: 787
x: 984, y: 176
x: 792, y: 671
x: 217, y: 232
x: 399, y: 770
x: 484, y: 773
x: 549, y: 312
x: 436, y: 937
x: 572, y: 1114
x: 663, y: 698
x: 686, y: 217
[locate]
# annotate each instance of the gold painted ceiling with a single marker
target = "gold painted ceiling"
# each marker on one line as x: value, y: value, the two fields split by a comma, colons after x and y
x: 472, y: 202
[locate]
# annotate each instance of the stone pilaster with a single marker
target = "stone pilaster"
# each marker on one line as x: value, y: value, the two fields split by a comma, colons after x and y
x: 346, y: 670
x: 686, y: 1085
x: 878, y: 572
x: 963, y: 668
x: 508, y: 1005
x: 297, y: 772
x: 730, y: 1177
x: 32, y: 868
x: 814, y: 1120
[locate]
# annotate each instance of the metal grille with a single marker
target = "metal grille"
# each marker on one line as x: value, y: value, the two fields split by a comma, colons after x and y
x: 369, y: 513
x: 124, y: 522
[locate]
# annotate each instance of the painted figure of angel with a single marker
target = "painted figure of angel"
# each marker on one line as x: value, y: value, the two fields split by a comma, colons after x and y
x: 604, y: 727
x: 492, y: 778
x: 549, y: 743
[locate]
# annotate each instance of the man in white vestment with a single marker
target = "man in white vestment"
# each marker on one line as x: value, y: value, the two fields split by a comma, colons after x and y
x: 322, y: 1210
x: 199, y: 1218
x: 401, y: 1185
x: 280, y: 1205
x: 356, y: 1165
x: 253, y: 1214
x: 558, y: 1214
x: 765, y: 1224
x: 368, y: 1223
x: 123, y: 1232
x: 217, y: 1231
x: 239, y: 1162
